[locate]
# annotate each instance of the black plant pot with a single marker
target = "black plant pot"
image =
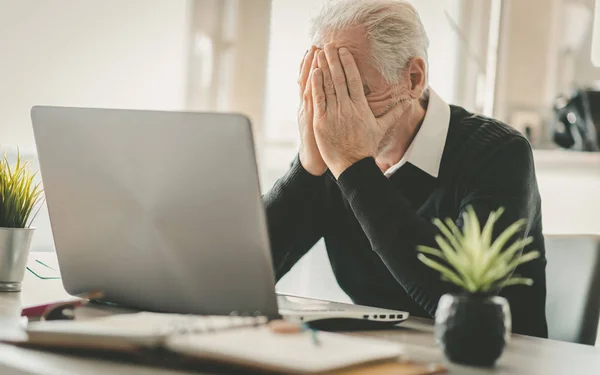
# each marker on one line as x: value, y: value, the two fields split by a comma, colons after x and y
x: 472, y: 329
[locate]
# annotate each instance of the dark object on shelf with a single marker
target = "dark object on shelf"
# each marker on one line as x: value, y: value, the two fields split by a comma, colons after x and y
x: 472, y: 329
x: 576, y: 124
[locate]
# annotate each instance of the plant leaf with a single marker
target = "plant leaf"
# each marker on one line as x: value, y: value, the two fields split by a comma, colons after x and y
x: 455, y: 231
x: 506, y: 235
x: 430, y: 251
x: 446, y: 232
x: 471, y: 260
x: 502, y: 259
x: 518, y: 261
x: 471, y: 230
x: 518, y: 281
x: 18, y: 192
x: 450, y: 275
x: 486, y: 233
x: 456, y: 261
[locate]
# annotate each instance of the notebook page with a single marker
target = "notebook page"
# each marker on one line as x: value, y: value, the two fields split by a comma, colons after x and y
x: 144, y: 327
x: 165, y: 324
x: 261, y: 348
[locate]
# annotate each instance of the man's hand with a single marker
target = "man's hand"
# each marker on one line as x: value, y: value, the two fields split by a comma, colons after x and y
x: 345, y: 128
x: 310, y: 158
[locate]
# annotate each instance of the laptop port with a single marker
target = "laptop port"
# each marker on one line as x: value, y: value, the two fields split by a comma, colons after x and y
x: 382, y: 316
x: 365, y: 317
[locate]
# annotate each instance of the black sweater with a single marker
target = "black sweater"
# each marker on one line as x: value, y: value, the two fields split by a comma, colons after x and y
x: 372, y: 224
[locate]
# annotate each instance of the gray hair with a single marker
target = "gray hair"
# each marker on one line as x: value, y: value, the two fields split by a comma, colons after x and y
x: 394, y: 30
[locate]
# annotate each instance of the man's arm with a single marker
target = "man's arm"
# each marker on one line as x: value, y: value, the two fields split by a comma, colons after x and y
x: 295, y: 216
x: 294, y: 205
x: 348, y: 136
x: 506, y: 179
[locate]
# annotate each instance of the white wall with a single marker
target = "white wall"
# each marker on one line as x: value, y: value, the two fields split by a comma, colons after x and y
x: 444, y: 44
x: 101, y: 53
x: 527, y: 51
x: 229, y: 58
x: 584, y: 71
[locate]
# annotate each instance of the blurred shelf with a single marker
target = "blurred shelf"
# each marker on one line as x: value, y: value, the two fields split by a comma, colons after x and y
x: 563, y: 158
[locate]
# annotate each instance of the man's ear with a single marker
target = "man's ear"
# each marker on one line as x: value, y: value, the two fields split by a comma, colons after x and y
x: 417, y: 76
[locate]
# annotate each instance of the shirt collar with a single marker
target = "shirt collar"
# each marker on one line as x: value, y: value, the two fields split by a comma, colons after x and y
x: 426, y: 149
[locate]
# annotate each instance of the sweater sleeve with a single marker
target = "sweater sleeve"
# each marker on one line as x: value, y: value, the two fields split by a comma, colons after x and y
x: 294, y: 208
x: 394, y: 228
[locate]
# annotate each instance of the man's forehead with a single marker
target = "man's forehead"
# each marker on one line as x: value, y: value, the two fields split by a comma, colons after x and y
x: 354, y: 38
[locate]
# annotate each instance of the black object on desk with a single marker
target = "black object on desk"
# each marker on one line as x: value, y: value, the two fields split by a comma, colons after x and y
x: 577, y: 120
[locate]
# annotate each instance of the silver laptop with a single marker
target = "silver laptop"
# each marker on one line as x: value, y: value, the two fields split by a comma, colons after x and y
x: 162, y: 211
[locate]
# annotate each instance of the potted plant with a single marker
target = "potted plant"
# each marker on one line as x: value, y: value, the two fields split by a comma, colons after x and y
x: 473, y: 327
x: 18, y: 197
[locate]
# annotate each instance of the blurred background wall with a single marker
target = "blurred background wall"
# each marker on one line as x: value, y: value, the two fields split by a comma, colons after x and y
x: 108, y: 53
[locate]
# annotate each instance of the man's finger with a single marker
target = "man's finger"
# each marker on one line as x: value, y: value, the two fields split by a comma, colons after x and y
x: 315, y: 60
x: 302, y: 62
x: 337, y: 72
x: 327, y: 81
x: 307, y: 104
x: 305, y: 70
x: 306, y: 61
x: 318, y: 93
x: 394, y: 114
x: 308, y: 89
x: 353, y: 79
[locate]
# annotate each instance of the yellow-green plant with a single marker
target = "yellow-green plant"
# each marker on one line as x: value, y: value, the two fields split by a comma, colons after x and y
x: 18, y: 193
x: 476, y: 264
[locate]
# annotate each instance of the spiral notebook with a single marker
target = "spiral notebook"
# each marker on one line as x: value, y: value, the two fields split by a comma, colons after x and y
x: 240, y: 341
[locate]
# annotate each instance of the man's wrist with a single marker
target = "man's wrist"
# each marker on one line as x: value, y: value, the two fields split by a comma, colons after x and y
x: 368, y: 192
x: 341, y: 166
x: 309, y: 166
x: 298, y: 176
x: 359, y: 173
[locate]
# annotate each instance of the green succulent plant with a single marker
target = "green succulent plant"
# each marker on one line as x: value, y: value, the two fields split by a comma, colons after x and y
x: 476, y: 264
x: 18, y: 193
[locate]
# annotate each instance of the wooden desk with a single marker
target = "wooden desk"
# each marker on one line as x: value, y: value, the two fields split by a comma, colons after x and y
x: 523, y: 355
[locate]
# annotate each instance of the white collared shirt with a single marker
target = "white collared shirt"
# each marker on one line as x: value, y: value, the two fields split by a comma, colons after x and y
x: 426, y: 149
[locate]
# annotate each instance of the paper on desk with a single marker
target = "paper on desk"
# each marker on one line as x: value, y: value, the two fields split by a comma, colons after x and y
x: 38, y: 291
x: 42, y: 268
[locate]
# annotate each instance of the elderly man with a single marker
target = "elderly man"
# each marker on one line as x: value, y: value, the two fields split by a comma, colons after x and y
x: 382, y: 155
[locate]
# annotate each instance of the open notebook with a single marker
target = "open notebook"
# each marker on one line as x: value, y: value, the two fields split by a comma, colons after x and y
x: 242, y: 341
